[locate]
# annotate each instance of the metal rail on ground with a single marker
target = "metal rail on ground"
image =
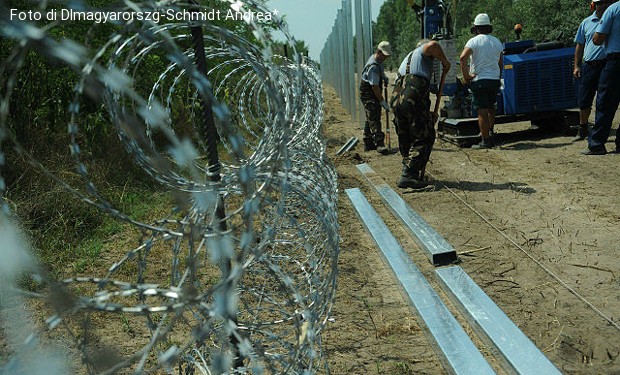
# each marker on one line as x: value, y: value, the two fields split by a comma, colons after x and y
x: 457, y: 352
x: 512, y: 347
x: 438, y: 250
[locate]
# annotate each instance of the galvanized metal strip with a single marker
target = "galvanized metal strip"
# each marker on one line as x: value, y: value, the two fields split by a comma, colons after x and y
x: 514, y: 348
x: 438, y: 250
x: 348, y: 145
x: 456, y: 350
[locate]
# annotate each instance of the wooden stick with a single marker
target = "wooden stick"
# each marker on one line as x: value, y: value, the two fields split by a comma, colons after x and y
x: 474, y: 250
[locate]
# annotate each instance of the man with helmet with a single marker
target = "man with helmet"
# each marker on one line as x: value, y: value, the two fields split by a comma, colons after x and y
x: 481, y: 64
x: 589, y: 62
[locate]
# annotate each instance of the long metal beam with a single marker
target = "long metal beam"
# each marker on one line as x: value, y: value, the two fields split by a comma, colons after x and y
x: 437, y: 249
x: 457, y: 352
x: 518, y: 353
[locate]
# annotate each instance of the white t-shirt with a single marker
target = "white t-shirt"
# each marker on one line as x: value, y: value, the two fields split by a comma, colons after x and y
x: 486, y: 50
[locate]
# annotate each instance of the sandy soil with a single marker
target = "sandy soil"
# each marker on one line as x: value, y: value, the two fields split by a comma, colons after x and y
x: 544, y: 219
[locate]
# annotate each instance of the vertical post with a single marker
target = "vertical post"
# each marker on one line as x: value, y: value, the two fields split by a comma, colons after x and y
x: 349, y: 61
x: 340, y: 46
x: 214, y: 167
x: 367, y: 21
x: 360, y: 56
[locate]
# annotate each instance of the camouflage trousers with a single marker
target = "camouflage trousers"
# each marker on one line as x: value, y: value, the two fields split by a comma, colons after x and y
x: 373, y: 135
x: 413, y: 120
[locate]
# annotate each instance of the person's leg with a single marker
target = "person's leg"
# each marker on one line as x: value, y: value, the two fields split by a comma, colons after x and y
x: 606, y: 105
x: 587, y: 90
x: 484, y: 125
x: 481, y: 102
x: 421, y: 144
x: 494, y: 86
x: 372, y: 109
x: 403, y: 121
x: 484, y: 122
x: 378, y: 136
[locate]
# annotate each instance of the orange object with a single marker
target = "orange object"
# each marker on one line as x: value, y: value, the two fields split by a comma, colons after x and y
x: 518, y: 28
x: 592, y: 6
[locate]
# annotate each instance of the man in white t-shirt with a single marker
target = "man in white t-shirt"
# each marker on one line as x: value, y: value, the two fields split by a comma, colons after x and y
x: 481, y: 63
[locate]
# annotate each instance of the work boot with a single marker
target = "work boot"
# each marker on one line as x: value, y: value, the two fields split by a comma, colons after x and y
x: 410, y: 178
x: 382, y: 149
x: 582, y: 132
x: 369, y: 145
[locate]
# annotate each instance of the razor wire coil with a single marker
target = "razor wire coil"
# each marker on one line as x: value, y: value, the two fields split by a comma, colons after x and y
x: 251, y: 249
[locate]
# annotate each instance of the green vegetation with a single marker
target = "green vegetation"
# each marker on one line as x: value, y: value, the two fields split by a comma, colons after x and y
x: 69, y: 235
x: 542, y: 20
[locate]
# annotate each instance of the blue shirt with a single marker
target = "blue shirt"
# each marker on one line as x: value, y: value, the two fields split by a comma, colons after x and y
x: 610, y: 26
x: 420, y: 65
x: 373, y: 71
x: 585, y: 32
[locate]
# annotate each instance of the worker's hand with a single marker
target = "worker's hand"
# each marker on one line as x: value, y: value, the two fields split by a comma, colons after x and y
x: 577, y: 72
x: 385, y: 105
x: 434, y: 117
x: 467, y: 78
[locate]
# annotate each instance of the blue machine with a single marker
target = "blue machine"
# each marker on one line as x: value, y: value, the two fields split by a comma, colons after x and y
x: 538, y: 83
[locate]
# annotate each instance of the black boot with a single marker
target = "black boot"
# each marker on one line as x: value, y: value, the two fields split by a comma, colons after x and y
x: 369, y: 145
x: 410, y: 177
x: 381, y: 148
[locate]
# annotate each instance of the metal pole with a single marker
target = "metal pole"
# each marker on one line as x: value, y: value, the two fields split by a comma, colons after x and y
x: 359, y: 56
x: 349, y: 61
x: 367, y: 21
x: 214, y: 167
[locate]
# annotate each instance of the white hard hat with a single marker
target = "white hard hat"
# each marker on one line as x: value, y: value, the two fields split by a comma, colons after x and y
x: 482, y: 19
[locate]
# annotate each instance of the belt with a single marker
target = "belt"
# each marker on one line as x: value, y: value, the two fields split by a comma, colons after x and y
x: 613, y: 56
x: 596, y: 63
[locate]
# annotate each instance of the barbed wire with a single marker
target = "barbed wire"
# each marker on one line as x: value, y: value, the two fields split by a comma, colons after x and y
x: 252, y: 242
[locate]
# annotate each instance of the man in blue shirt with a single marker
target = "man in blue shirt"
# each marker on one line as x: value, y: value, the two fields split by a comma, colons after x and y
x: 608, y: 98
x: 589, y: 62
x: 373, y: 80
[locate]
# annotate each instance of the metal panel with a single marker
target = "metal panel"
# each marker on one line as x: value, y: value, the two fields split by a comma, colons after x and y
x: 349, y: 63
x: 438, y: 250
x: 359, y: 58
x: 337, y: 64
x: 457, y: 352
x: 518, y: 353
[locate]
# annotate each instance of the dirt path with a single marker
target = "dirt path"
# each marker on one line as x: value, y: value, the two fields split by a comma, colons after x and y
x: 547, y: 218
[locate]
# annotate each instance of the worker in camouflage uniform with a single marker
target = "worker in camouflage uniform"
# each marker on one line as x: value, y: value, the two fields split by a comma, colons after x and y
x: 373, y: 80
x: 413, y: 120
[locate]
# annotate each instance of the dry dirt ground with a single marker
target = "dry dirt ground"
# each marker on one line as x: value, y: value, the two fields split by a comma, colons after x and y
x: 543, y: 219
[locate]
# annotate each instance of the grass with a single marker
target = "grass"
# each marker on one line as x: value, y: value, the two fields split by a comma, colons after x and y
x: 68, y: 235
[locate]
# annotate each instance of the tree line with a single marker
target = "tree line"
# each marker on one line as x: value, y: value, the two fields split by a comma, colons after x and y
x: 542, y: 20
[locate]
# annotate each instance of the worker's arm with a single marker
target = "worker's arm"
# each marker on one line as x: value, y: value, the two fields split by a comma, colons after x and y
x: 599, y: 38
x: 578, y: 58
x: 464, y: 59
x: 500, y: 62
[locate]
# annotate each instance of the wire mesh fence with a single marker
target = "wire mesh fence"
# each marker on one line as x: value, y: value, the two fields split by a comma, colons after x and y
x: 345, y: 52
x: 239, y: 276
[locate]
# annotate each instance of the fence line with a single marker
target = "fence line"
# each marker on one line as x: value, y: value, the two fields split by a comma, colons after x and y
x: 343, y: 58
